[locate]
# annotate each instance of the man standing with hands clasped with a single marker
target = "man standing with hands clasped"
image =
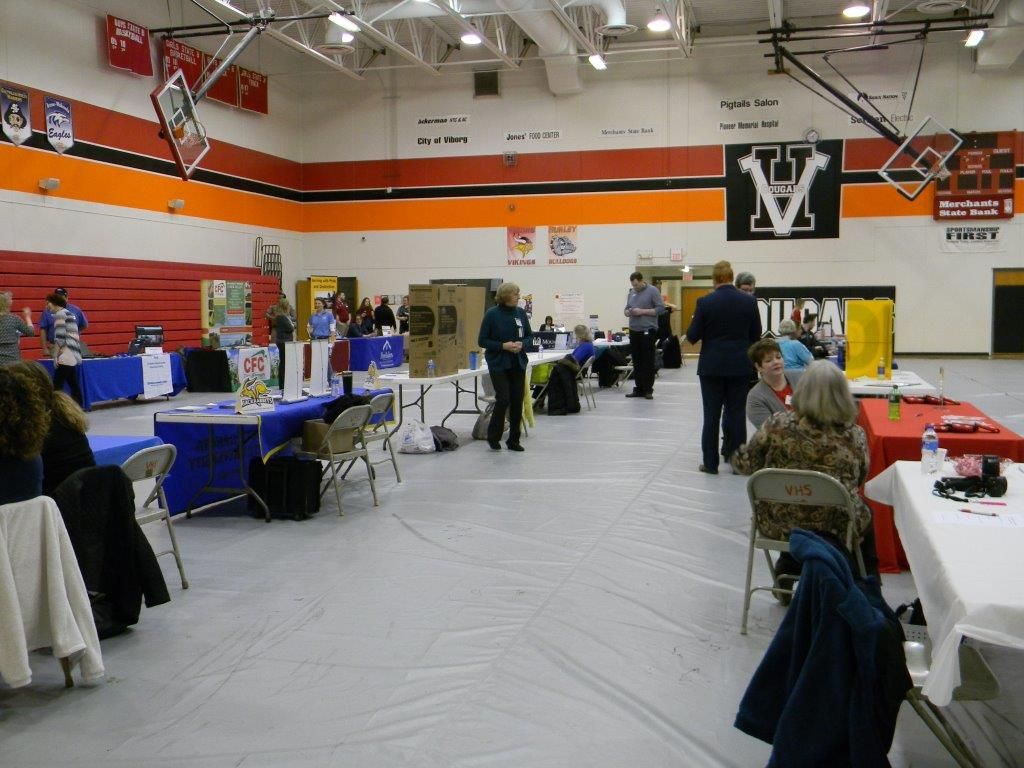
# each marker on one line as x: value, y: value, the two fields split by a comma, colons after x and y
x: 643, y: 305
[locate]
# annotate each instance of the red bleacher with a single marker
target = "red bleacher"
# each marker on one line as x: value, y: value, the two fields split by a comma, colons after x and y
x: 118, y: 294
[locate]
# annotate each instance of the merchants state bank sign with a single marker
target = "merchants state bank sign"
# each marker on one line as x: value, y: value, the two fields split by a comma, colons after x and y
x: 782, y: 191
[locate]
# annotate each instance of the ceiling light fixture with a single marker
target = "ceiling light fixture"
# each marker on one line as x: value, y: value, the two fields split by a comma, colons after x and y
x: 856, y: 10
x: 471, y: 38
x: 597, y: 61
x: 974, y: 37
x: 343, y: 21
x: 660, y: 22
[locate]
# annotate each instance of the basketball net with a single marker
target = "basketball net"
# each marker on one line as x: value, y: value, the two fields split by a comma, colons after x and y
x: 190, y: 133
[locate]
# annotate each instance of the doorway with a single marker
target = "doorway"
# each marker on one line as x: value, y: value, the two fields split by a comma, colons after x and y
x: 1007, y: 315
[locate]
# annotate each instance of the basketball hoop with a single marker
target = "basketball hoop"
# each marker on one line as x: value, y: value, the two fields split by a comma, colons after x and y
x: 193, y: 133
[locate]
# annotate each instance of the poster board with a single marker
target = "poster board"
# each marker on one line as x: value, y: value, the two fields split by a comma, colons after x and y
x: 226, y: 313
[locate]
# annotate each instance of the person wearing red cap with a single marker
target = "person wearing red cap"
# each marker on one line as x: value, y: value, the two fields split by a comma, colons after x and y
x: 47, y: 325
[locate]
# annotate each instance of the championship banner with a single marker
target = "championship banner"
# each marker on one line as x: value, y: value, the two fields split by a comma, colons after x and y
x: 184, y: 57
x: 128, y: 46
x: 519, y: 243
x: 252, y: 91
x: 981, y: 180
x: 562, y: 245
x: 15, y: 114
x: 60, y: 129
x: 984, y: 239
x: 225, y: 90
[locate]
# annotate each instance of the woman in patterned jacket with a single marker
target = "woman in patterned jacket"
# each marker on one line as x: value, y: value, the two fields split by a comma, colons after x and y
x: 820, y: 434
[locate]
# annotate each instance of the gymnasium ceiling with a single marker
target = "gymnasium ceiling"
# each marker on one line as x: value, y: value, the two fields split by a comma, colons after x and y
x: 563, y: 34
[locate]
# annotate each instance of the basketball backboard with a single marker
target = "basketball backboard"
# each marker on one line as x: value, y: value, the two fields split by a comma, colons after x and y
x: 180, y: 124
x: 920, y: 158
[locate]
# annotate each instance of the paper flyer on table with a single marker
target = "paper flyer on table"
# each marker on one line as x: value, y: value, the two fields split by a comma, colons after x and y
x: 156, y: 375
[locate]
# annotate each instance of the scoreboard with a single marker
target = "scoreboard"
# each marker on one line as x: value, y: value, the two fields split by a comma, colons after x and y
x: 981, y: 179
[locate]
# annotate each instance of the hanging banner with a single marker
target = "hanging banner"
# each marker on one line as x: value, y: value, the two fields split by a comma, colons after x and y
x: 981, y: 180
x: 252, y: 91
x: 519, y: 246
x: 16, y: 114
x: 184, y: 57
x: 225, y: 90
x: 60, y: 130
x: 562, y: 245
x: 128, y: 46
x: 972, y: 239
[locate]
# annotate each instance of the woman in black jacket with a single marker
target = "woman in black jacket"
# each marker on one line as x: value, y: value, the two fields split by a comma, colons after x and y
x: 504, y: 332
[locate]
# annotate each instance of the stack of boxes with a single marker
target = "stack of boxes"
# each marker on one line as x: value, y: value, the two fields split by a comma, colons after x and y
x: 444, y: 322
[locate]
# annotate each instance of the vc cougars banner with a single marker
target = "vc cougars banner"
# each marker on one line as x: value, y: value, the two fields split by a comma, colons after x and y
x: 778, y: 191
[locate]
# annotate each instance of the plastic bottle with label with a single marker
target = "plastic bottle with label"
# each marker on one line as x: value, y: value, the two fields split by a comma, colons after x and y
x: 841, y: 354
x: 881, y: 369
x: 430, y: 369
x: 894, y: 403
x: 929, y: 450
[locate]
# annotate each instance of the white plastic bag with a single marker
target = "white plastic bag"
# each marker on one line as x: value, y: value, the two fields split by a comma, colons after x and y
x: 416, y: 437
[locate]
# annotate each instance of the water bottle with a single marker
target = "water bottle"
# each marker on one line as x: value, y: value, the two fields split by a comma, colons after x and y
x: 894, y: 404
x: 929, y: 450
x: 335, y: 385
x: 841, y: 355
x: 881, y: 369
x: 430, y: 368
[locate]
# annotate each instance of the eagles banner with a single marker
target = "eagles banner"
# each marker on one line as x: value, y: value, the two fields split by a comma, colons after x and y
x: 15, y: 114
x: 60, y: 130
x: 777, y: 191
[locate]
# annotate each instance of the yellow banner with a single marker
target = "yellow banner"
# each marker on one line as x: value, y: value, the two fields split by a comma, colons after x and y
x: 320, y: 287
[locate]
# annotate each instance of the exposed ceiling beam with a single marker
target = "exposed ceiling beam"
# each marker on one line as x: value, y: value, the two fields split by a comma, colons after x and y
x: 382, y: 38
x: 572, y: 29
x: 485, y: 39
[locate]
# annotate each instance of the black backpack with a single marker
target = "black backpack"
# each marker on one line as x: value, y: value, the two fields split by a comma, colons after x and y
x: 444, y: 439
x: 341, y: 404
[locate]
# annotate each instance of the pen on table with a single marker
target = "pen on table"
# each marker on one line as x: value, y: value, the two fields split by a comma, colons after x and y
x: 978, y: 512
x: 992, y: 503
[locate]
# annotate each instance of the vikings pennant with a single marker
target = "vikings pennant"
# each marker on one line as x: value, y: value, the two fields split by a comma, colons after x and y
x: 60, y: 130
x: 15, y: 114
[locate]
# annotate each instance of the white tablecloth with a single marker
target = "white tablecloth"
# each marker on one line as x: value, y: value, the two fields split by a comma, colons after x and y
x: 908, y: 382
x: 967, y: 567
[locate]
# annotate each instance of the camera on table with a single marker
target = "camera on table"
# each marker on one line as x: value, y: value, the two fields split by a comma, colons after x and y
x: 972, y: 487
x: 990, y: 466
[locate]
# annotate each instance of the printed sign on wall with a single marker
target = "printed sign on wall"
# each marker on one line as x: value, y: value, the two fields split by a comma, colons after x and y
x: 442, y: 130
x: 782, y: 190
x: 60, y: 129
x: 15, y: 114
x: 519, y: 245
x: 128, y: 46
x: 972, y: 239
x: 562, y: 245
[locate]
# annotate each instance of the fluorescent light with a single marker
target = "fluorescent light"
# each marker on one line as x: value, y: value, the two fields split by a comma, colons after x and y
x: 597, y: 61
x: 856, y: 10
x: 343, y: 21
x: 347, y: 37
x: 974, y: 37
x: 471, y: 38
x: 660, y: 22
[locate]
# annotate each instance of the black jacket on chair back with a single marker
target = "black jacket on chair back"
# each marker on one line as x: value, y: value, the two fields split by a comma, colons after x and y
x: 116, y: 560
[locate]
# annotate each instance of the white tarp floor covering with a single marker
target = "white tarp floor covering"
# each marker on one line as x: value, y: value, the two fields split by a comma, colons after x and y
x: 577, y: 604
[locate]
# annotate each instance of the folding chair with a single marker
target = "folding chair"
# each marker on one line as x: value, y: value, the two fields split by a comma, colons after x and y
x: 584, y: 383
x: 154, y: 464
x: 792, y: 486
x: 353, y: 422
x: 378, y: 431
x: 977, y: 683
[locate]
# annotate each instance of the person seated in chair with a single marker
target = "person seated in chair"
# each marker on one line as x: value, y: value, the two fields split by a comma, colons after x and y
x: 773, y: 392
x: 24, y: 422
x: 547, y: 325
x: 820, y: 434
x: 795, y: 356
x: 809, y: 339
x: 584, y: 348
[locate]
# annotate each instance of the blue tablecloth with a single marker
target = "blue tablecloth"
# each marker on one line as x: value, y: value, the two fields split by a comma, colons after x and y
x: 191, y: 469
x: 111, y: 378
x: 385, y: 351
x: 116, y: 449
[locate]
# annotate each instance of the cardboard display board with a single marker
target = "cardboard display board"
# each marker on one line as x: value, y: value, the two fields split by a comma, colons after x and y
x: 423, y: 325
x: 868, y: 337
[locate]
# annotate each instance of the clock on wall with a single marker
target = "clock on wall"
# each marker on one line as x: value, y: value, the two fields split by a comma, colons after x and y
x: 812, y: 135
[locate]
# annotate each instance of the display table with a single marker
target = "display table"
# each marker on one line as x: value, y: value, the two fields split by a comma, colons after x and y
x: 966, y: 565
x: 214, y: 443
x: 385, y: 351
x: 908, y: 383
x: 112, y: 378
x: 117, y: 449
x: 892, y: 441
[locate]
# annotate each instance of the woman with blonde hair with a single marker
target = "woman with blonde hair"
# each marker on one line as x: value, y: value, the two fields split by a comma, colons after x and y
x: 820, y: 434
x: 66, y: 447
x: 504, y: 333
x: 12, y: 328
x: 284, y: 328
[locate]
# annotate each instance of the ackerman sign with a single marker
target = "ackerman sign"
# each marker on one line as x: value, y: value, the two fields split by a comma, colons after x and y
x: 776, y: 191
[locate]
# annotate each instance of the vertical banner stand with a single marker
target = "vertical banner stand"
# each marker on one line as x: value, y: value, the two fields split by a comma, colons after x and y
x: 292, y: 385
x: 318, y: 368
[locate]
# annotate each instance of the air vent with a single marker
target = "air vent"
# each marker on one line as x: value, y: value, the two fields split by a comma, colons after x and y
x: 940, y: 7
x: 335, y: 49
x: 485, y: 84
x: 616, y: 30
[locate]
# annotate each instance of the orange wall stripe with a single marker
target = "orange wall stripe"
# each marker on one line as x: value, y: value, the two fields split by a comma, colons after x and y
x: 21, y: 168
x: 882, y: 201
x: 452, y: 213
